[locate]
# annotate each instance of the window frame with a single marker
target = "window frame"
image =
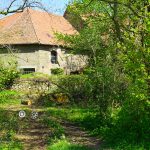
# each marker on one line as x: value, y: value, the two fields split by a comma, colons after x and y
x: 54, y: 57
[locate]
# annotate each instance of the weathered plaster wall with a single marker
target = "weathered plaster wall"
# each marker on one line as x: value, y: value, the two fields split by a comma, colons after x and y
x: 39, y: 57
x: 27, y: 56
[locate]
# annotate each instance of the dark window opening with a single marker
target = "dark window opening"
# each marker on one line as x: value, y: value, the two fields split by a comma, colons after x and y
x: 27, y: 70
x: 54, y: 57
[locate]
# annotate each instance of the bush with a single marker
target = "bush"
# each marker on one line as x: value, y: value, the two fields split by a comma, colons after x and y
x: 133, y: 124
x: 7, y: 76
x: 130, y: 125
x: 65, y: 89
x: 75, y: 86
x: 57, y: 71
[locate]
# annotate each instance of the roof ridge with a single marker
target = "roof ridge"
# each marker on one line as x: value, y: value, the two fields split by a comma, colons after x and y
x: 40, y: 10
x: 33, y: 26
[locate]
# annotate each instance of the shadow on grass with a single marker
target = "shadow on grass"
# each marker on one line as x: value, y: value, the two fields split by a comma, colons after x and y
x: 9, y: 126
x: 86, y: 118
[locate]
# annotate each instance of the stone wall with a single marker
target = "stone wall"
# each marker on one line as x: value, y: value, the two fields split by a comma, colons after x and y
x: 32, y: 85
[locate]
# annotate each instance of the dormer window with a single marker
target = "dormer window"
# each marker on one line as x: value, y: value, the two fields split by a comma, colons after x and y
x: 53, y: 57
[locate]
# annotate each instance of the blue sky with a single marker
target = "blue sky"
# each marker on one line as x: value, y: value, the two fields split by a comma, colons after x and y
x: 53, y: 6
x: 56, y: 6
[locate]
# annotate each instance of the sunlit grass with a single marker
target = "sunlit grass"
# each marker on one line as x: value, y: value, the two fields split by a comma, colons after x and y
x: 86, y: 118
x: 65, y: 145
x: 12, y: 145
x: 33, y: 75
x: 9, y: 97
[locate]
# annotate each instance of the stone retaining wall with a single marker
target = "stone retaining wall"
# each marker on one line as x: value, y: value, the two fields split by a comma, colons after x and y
x: 32, y: 85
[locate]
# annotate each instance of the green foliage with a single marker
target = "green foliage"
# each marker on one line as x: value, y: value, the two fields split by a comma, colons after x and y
x: 9, y: 97
x: 57, y: 71
x: 7, y: 75
x: 56, y: 129
x: 12, y: 145
x: 8, y: 128
x: 9, y: 122
x: 65, y: 145
x: 125, y: 134
x: 87, y: 118
x: 115, y: 38
x: 74, y: 86
x: 133, y: 121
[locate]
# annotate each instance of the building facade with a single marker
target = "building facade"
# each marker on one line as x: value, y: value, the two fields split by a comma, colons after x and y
x: 29, y: 37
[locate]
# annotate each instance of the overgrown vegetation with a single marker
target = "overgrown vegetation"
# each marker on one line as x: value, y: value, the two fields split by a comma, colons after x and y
x: 90, y: 121
x: 57, y: 71
x: 9, y: 97
x: 7, y: 75
x: 85, y: 117
x: 9, y: 126
x: 114, y: 35
x: 115, y: 86
x: 74, y: 86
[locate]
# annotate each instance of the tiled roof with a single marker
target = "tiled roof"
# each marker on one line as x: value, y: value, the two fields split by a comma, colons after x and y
x: 33, y: 27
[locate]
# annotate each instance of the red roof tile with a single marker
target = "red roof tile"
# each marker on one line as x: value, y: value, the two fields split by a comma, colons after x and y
x: 33, y: 27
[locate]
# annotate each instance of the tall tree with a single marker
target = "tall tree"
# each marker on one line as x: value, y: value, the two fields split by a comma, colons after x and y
x: 115, y: 35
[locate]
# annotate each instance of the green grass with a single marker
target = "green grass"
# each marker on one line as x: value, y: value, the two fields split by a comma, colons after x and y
x: 123, y: 145
x: 91, y: 122
x: 9, y: 120
x: 34, y: 75
x: 9, y: 97
x: 65, y: 145
x: 9, y: 125
x: 12, y: 145
x: 86, y: 118
x: 56, y: 129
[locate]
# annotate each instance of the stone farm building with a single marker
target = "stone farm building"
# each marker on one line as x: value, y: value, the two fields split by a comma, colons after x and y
x: 30, y: 35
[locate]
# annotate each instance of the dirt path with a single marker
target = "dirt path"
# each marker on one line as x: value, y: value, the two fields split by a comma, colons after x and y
x: 33, y: 134
x: 76, y: 135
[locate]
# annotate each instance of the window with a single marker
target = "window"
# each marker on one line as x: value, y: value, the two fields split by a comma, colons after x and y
x: 27, y: 70
x: 54, y: 57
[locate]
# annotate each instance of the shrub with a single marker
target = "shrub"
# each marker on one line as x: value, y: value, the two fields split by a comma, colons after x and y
x: 75, y: 86
x: 7, y: 76
x: 133, y: 122
x: 57, y: 71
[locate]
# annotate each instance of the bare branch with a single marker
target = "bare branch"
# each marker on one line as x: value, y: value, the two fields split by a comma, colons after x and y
x: 25, y: 4
x: 10, y: 5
